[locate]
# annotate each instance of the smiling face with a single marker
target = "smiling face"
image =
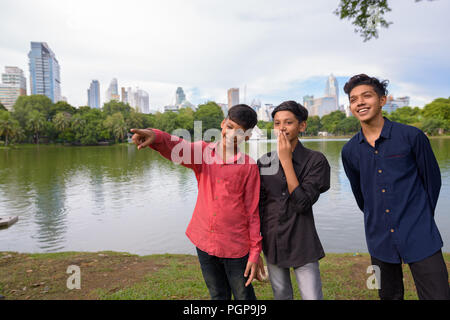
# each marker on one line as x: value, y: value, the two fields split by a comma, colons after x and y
x: 232, y: 133
x: 286, y: 121
x: 365, y: 104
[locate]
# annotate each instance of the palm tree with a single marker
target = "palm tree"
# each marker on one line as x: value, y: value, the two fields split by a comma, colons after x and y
x: 8, y: 125
x: 35, y: 123
x: 62, y: 121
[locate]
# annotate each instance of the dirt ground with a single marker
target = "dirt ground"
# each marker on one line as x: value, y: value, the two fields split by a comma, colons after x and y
x: 24, y: 276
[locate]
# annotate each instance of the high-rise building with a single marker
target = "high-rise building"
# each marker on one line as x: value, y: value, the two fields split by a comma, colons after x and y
x: 94, y: 95
x: 13, y: 85
x: 233, y: 97
x: 113, y: 91
x: 180, y: 97
x: 124, y: 95
x: 393, y: 104
x: 143, y: 101
x: 44, y: 71
x: 308, y: 101
x: 138, y: 99
x: 332, y: 89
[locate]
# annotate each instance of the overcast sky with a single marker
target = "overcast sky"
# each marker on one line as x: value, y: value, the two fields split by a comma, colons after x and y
x: 277, y: 50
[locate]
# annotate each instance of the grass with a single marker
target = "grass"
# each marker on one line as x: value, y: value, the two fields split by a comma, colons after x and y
x: 121, y: 276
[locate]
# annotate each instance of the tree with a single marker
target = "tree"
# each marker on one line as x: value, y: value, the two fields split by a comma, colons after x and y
x: 210, y: 114
x: 313, y: 126
x: 348, y: 125
x: 406, y: 115
x: 116, y: 126
x: 438, y: 109
x: 331, y: 121
x: 36, y: 123
x: 366, y: 15
x: 8, y: 126
x: 2, y: 107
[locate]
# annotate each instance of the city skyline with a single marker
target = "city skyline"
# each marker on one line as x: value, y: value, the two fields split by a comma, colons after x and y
x: 297, y: 55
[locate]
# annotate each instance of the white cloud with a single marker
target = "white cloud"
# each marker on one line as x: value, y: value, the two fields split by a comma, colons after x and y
x: 209, y: 46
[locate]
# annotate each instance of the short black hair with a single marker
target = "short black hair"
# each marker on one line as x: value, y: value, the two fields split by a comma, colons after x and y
x: 300, y: 112
x: 380, y: 87
x: 243, y: 115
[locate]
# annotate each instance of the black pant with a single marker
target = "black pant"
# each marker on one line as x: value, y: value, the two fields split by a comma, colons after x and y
x: 430, y: 276
x: 224, y: 276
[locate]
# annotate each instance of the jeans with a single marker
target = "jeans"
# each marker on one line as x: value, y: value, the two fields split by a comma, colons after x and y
x: 430, y: 277
x: 224, y: 276
x: 308, y: 280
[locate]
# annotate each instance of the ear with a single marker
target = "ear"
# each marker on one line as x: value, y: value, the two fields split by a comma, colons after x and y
x: 302, y: 126
x: 383, y: 100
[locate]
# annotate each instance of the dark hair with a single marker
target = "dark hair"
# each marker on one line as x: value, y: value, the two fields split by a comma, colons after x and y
x: 243, y: 115
x: 300, y: 112
x: 361, y: 79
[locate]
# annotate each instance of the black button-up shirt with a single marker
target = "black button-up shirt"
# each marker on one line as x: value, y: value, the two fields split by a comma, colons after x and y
x: 287, y: 225
x: 396, y: 184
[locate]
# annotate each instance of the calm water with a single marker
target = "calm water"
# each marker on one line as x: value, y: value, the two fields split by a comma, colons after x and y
x: 116, y: 198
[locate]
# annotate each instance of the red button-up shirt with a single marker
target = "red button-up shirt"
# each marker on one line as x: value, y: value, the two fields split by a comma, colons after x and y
x: 225, y: 222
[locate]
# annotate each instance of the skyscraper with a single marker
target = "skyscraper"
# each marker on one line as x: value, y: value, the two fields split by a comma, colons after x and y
x: 113, y: 91
x: 94, y: 95
x: 13, y: 85
x: 44, y: 71
x: 332, y: 89
x: 180, y: 97
x: 233, y: 97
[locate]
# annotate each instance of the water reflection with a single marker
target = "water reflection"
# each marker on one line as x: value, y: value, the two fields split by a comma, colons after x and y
x: 116, y: 198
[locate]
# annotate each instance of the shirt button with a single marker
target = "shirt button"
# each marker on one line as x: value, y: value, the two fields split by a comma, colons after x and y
x: 380, y: 171
x: 387, y: 210
x: 383, y: 190
x: 392, y: 230
x: 216, y: 197
x: 214, y: 214
x: 212, y: 231
x: 283, y: 194
x: 376, y: 151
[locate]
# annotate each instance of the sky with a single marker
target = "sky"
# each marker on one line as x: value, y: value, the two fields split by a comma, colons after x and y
x: 273, y: 50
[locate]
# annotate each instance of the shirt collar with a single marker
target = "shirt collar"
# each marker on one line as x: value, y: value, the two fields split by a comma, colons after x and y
x: 213, y: 146
x: 385, y: 132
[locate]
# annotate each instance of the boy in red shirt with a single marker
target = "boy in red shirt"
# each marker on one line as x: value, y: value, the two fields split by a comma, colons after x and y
x: 225, y: 224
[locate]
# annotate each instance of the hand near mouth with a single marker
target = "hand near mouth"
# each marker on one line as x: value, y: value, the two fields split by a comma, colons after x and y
x: 284, y: 147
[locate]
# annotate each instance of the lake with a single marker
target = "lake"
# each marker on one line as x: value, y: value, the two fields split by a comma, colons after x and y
x: 121, y: 199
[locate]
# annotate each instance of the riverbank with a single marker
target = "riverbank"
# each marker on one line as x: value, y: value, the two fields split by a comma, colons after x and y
x: 114, y: 275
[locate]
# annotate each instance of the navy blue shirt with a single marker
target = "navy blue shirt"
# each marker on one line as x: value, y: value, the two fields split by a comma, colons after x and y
x: 396, y: 184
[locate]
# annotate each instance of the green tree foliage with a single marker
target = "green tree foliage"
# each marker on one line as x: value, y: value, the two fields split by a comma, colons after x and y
x: 9, y: 127
x: 313, y: 126
x: 2, y: 107
x: 366, y: 15
x: 210, y: 114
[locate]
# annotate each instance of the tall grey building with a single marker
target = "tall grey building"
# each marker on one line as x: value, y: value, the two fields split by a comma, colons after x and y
x: 332, y: 89
x: 13, y: 85
x: 94, y: 95
x: 180, y: 97
x: 113, y: 91
x: 44, y: 71
x: 233, y: 97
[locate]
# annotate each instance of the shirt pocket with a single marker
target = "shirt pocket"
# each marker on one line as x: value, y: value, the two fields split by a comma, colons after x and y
x: 397, y: 162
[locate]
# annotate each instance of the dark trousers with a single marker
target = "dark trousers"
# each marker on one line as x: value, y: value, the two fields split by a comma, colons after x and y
x: 430, y: 276
x: 224, y: 276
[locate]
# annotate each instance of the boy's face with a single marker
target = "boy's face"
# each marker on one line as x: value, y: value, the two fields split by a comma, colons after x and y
x: 287, y: 121
x: 365, y: 104
x: 232, y: 133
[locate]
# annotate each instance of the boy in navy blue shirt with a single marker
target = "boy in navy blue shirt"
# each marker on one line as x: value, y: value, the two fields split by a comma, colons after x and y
x: 396, y: 180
